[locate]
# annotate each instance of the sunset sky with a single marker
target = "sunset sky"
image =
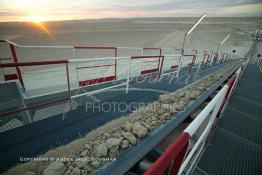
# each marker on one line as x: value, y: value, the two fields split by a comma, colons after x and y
x: 45, y: 10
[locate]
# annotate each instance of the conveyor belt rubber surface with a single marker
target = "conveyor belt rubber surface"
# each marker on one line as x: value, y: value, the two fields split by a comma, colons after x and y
x: 54, y: 131
x: 236, y: 146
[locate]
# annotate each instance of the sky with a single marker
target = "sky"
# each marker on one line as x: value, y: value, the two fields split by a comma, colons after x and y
x: 49, y: 10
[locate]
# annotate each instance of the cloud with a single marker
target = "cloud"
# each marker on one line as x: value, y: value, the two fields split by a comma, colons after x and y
x: 79, y: 9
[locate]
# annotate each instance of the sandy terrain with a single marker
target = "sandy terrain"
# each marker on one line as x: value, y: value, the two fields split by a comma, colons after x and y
x: 151, y: 32
x: 140, y: 32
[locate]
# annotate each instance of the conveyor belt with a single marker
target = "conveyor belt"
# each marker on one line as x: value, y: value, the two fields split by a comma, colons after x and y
x: 236, y: 146
x: 54, y: 131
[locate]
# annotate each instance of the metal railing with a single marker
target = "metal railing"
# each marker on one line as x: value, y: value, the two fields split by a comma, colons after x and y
x: 176, y: 60
x: 175, y: 156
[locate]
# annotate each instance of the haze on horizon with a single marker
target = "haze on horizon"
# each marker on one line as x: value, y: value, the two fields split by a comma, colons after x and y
x: 50, y: 10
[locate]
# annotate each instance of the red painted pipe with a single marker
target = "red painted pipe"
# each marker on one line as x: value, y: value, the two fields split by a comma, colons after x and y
x: 116, y: 62
x: 32, y: 107
x: 5, y: 58
x: 94, y: 47
x: 19, y: 74
x: 87, y: 67
x: 188, y: 55
x: 160, y: 53
x: 149, y: 61
x: 33, y: 63
x: 141, y: 57
x: 151, y: 48
x: 174, y: 153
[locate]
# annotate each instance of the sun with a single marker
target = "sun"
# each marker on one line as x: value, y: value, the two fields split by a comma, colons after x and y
x: 36, y: 19
x: 39, y: 22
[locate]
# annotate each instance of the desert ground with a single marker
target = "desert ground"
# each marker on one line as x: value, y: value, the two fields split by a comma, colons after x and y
x: 136, y: 32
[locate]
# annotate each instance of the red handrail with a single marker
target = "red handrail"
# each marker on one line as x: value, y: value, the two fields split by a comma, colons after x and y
x: 94, y: 47
x: 141, y: 57
x: 33, y: 63
x: 174, y: 153
x: 103, y: 48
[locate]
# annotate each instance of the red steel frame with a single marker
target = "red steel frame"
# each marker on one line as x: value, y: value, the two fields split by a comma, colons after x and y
x: 155, y: 48
x: 160, y: 53
x: 190, y: 65
x: 3, y: 65
x: 101, y: 79
x: 66, y: 62
x: 8, y: 76
x: 160, y: 64
x: 173, y: 156
x: 18, y: 74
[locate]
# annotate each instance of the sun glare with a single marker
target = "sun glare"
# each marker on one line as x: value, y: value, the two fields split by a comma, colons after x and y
x: 36, y: 19
x: 40, y: 22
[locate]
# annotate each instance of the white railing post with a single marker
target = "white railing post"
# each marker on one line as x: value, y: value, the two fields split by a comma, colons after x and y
x: 180, y: 63
x: 200, y: 61
x: 128, y: 75
x: 213, y: 56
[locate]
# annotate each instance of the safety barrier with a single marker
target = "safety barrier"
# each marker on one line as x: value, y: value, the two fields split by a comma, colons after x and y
x: 174, y: 63
x: 175, y: 156
x: 115, y: 53
x: 39, y: 63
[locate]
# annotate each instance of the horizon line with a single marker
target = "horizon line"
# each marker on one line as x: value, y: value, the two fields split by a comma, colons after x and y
x: 25, y: 21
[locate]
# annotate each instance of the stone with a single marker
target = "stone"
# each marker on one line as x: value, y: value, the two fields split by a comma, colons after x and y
x: 165, y: 99
x: 124, y: 144
x: 128, y: 126
x: 130, y: 137
x: 40, y: 169
x: 113, y: 146
x: 95, y: 164
x: 148, y: 126
x: 55, y: 168
x: 112, y: 142
x: 116, y: 134
x: 84, y: 172
x: 84, y: 153
x: 80, y: 164
x: 101, y: 150
x: 68, y: 172
x: 106, y: 134
x: 113, y: 152
x: 87, y: 146
x: 29, y: 173
x: 139, y: 130
x: 76, y: 171
x: 165, y: 107
x: 88, y: 168
x: 71, y: 167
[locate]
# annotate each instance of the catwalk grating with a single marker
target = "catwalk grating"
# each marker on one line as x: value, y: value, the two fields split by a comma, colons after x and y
x: 236, y: 146
x: 235, y: 122
x: 230, y: 155
x: 246, y: 107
